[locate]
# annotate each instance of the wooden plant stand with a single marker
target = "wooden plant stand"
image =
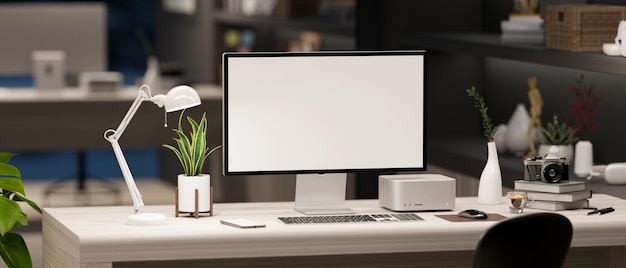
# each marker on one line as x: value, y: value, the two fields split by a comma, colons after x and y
x: 196, y: 213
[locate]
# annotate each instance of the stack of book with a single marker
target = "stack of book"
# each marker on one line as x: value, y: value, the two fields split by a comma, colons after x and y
x: 522, y: 29
x: 561, y: 195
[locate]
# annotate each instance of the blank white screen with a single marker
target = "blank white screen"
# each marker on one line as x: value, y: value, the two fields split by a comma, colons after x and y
x: 323, y: 112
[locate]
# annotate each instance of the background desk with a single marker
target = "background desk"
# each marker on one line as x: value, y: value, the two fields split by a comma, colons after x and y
x: 74, y: 118
x: 98, y: 237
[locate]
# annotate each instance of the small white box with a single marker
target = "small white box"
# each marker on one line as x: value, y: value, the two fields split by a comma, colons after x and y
x: 416, y: 192
x: 48, y: 69
x: 100, y: 81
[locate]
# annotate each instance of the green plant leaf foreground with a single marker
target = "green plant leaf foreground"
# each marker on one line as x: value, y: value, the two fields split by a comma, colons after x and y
x: 14, y: 251
x: 10, y: 214
x: 5, y: 157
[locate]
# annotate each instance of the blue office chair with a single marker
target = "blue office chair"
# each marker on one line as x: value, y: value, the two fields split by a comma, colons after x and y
x: 530, y: 240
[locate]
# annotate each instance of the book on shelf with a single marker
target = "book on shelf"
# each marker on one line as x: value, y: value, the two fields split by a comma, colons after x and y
x: 522, y: 38
x: 550, y: 187
x: 556, y: 206
x: 559, y: 197
x: 510, y: 26
x: 526, y: 18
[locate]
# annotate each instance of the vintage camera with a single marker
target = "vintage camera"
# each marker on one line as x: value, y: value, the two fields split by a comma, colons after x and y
x: 548, y: 169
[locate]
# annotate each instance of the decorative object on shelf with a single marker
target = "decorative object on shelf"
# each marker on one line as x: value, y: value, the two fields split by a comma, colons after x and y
x: 557, y: 139
x: 583, y: 111
x: 152, y: 77
x: 615, y: 173
x: 308, y: 41
x: 616, y: 49
x: 536, y: 105
x: 499, y: 138
x: 490, y: 185
x: 530, y: 7
x: 178, y: 98
x: 581, y: 27
x: 516, y: 130
x: 13, y: 249
x: 194, y: 188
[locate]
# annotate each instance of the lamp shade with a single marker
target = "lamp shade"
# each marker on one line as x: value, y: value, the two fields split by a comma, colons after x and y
x: 181, y: 97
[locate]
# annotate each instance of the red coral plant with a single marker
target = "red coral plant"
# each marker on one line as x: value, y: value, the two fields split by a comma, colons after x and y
x: 583, y: 109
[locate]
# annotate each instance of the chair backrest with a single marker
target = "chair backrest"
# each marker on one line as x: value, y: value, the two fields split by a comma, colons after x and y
x: 530, y: 240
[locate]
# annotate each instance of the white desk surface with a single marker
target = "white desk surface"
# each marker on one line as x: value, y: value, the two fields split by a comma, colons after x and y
x: 98, y: 235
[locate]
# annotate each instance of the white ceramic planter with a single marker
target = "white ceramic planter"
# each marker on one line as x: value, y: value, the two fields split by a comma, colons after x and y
x: 186, y: 193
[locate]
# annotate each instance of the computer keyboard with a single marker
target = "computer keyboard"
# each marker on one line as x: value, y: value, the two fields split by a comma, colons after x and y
x: 382, y: 217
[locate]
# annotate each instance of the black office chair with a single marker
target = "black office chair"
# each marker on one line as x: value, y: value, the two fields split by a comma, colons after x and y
x: 531, y: 240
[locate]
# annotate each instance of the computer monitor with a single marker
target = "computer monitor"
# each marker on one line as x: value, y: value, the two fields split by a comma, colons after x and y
x: 77, y: 28
x: 321, y: 115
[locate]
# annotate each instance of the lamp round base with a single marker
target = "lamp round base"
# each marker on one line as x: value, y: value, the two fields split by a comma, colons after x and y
x: 146, y: 219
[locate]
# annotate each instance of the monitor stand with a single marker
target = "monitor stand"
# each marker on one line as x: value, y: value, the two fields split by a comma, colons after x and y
x: 321, y: 194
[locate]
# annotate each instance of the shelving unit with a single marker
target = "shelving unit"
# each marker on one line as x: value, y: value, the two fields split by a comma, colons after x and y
x: 272, y: 33
x: 318, y: 24
x: 490, y: 45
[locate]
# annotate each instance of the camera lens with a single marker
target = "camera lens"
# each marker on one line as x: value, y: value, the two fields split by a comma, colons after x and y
x: 552, y: 173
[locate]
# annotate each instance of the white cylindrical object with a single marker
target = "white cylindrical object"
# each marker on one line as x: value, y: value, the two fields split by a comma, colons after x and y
x: 490, y: 185
x: 583, y: 158
x: 186, y: 193
x: 615, y: 173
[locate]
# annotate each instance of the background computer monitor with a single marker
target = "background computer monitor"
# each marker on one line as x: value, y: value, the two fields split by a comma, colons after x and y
x: 322, y: 115
x: 78, y: 29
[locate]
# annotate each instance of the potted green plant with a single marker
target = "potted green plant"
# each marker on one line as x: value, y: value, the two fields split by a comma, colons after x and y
x: 192, y: 151
x: 557, y: 138
x: 490, y: 185
x: 12, y: 246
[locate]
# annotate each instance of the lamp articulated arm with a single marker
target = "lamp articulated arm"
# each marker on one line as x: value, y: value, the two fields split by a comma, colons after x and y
x: 114, y: 135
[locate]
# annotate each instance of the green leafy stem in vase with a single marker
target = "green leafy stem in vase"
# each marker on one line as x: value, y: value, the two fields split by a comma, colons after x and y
x: 479, y: 102
x: 192, y: 150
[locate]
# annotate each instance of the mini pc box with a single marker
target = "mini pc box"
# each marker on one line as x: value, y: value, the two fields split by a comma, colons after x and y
x: 416, y: 192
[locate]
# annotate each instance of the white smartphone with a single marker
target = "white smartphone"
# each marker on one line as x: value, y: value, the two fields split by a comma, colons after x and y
x: 242, y: 223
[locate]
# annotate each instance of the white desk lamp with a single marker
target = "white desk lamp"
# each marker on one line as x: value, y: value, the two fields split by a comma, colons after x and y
x: 178, y: 98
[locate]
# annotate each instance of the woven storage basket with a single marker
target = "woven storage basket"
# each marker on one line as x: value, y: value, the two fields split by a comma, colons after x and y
x: 582, y: 27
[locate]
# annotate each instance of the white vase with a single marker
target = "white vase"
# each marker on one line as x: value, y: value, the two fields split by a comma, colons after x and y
x: 490, y: 185
x: 516, y: 131
x: 583, y: 158
x: 566, y: 151
x: 186, y: 193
